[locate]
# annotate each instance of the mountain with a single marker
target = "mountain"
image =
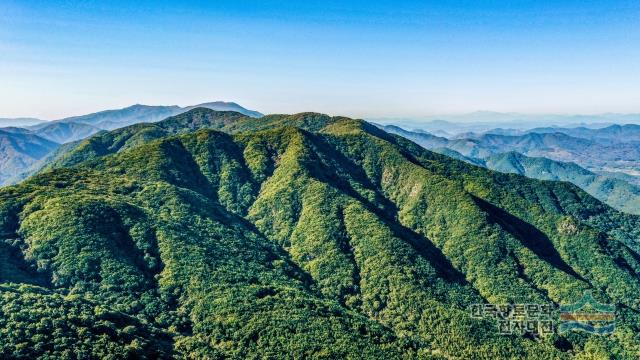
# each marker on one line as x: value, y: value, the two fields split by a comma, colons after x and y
x: 129, y: 115
x: 613, y: 133
x: 464, y: 148
x: 59, y: 132
x: 298, y: 236
x: 225, y: 106
x: 616, y: 192
x: 112, y: 119
x: 76, y: 128
x: 19, y: 149
x: 603, y: 134
x: 484, y: 121
x: 635, y: 180
x: 423, y: 138
x: 505, y: 153
x: 63, y: 132
x: 456, y: 155
x: 593, y: 155
x: 596, y: 153
x: 127, y: 137
x: 18, y: 122
x: 22, y: 151
x: 124, y: 138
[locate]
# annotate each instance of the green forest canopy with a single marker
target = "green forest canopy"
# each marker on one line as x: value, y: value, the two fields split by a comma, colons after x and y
x: 214, y: 235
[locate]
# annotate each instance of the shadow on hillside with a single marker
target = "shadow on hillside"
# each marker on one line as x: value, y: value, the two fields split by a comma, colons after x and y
x: 528, y: 235
x: 14, y: 266
x: 386, y: 211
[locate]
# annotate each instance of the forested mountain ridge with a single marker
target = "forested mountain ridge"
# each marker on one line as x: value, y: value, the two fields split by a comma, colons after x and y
x: 107, y: 142
x: 297, y: 236
x: 18, y: 161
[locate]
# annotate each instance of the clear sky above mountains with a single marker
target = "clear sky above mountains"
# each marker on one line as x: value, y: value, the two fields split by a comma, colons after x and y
x: 356, y: 58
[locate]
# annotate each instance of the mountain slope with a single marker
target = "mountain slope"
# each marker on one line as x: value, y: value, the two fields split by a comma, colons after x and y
x: 127, y: 137
x: 57, y: 132
x: 197, y: 118
x: 304, y: 236
x: 126, y: 116
x: 594, y: 155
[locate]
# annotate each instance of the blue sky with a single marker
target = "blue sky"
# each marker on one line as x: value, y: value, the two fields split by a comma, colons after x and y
x: 355, y: 58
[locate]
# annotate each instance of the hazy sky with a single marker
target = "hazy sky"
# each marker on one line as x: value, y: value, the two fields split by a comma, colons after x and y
x: 356, y: 58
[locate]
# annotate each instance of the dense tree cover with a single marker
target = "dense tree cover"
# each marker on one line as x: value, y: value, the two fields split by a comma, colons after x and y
x: 35, y: 322
x: 295, y: 236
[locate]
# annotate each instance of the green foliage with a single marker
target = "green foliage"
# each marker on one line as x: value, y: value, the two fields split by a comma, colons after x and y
x: 38, y: 323
x: 299, y: 236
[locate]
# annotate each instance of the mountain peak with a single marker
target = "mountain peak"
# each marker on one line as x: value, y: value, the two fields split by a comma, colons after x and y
x: 226, y: 106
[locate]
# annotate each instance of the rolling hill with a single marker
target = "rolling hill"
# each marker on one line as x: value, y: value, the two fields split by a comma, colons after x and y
x: 64, y: 132
x: 217, y: 235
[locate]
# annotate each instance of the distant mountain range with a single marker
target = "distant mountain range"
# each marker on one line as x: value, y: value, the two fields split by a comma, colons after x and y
x: 585, y: 157
x: 28, y: 141
x: 615, y: 133
x: 482, y: 121
x: 5, y: 122
x: 615, y: 148
x: 112, y: 119
x: 616, y: 192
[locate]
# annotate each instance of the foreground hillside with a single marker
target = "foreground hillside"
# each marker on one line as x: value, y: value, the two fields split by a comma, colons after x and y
x: 293, y: 237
